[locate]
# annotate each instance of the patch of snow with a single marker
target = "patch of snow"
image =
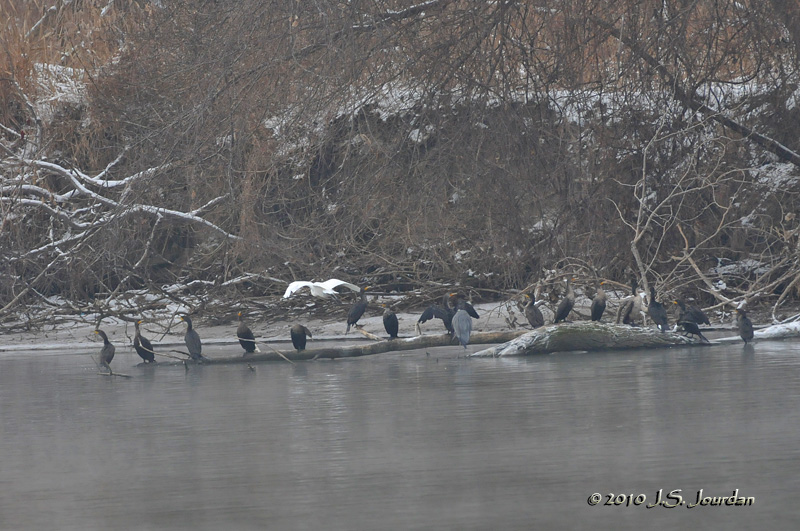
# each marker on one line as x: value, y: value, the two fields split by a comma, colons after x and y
x: 740, y: 268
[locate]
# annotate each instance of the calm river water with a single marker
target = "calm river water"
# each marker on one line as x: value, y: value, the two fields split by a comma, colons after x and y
x: 402, y: 441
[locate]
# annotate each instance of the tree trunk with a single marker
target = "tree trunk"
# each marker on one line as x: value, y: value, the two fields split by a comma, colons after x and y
x: 589, y: 335
x: 586, y: 335
x: 378, y: 347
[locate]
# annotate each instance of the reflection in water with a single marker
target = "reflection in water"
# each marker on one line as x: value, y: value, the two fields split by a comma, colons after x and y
x: 400, y: 441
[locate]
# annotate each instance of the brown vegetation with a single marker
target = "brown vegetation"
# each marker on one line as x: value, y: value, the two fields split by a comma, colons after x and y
x: 398, y: 144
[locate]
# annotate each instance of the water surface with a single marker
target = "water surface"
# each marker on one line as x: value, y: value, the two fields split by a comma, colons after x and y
x: 401, y: 441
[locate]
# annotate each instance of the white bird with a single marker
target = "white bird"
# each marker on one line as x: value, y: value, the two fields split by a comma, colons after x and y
x: 322, y: 290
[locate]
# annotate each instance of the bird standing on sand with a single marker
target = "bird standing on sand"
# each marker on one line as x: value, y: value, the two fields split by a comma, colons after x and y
x: 246, y: 337
x: 598, y: 303
x: 357, y: 310
x: 566, y: 304
x: 390, y: 322
x: 299, y: 333
x: 192, y: 339
x: 744, y: 325
x: 107, y: 352
x: 532, y: 313
x: 142, y: 345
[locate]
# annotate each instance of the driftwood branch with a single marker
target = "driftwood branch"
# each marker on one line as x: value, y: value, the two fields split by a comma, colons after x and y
x: 594, y: 336
x: 376, y: 347
x: 585, y: 335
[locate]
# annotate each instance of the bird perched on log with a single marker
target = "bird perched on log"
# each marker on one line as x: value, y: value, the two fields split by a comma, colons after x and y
x: 631, y: 309
x: 246, y: 337
x: 390, y: 322
x: 323, y: 290
x: 598, y: 303
x: 744, y: 325
x: 192, y: 339
x: 691, y: 328
x: 657, y: 311
x: 532, y: 313
x: 299, y: 333
x: 566, y: 304
x: 462, y: 323
x: 357, y: 310
x: 107, y: 352
x: 444, y: 312
x: 690, y: 312
x: 142, y: 345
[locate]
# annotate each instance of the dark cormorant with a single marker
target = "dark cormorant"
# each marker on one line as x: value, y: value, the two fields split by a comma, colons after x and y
x: 299, y: 333
x: 566, y: 304
x: 469, y: 308
x: 690, y: 312
x: 246, y: 337
x: 142, y: 346
x: 192, y: 339
x: 744, y: 324
x: 444, y: 312
x: 690, y: 327
x: 357, y: 310
x: 462, y: 323
x: 657, y: 311
x: 532, y: 313
x: 598, y: 303
x: 107, y: 352
x: 390, y: 322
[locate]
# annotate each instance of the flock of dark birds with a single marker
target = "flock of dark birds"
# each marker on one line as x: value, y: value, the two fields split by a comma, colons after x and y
x: 456, y: 313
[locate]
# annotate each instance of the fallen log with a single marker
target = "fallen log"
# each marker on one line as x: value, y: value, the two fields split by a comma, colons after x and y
x: 595, y: 336
x: 352, y: 351
x: 586, y: 335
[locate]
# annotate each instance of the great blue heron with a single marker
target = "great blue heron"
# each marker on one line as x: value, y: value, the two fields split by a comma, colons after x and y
x: 142, y: 345
x: 744, y: 325
x: 566, y: 304
x: 107, y: 352
x: 322, y: 290
x: 532, y: 313
x: 462, y: 323
x: 192, y: 339
x: 598, y: 303
x: 390, y: 322
x: 357, y: 310
x: 657, y: 311
x: 299, y: 333
x: 246, y: 337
